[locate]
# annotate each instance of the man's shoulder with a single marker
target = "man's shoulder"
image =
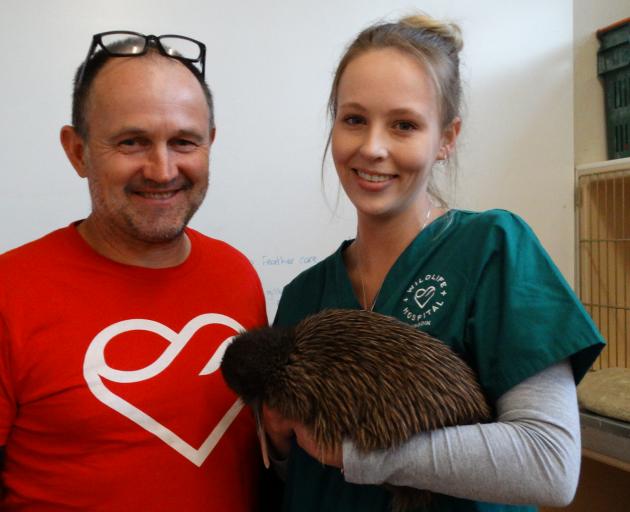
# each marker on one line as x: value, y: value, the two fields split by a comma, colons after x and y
x: 206, y: 241
x: 38, y: 248
x: 215, y: 249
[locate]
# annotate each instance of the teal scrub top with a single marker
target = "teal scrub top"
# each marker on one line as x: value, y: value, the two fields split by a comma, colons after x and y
x: 480, y: 282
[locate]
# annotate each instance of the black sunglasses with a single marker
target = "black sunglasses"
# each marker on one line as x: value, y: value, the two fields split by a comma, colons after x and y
x: 123, y: 43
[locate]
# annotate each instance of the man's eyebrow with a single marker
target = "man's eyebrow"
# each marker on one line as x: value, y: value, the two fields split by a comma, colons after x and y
x: 128, y: 131
x: 191, y: 134
x: 134, y: 131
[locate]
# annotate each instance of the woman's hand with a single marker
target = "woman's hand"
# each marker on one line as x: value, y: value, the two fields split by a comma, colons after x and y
x: 304, y: 437
x: 279, y: 431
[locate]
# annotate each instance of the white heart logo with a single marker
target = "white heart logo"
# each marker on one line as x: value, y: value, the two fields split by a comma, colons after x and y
x: 424, y: 295
x: 95, y: 369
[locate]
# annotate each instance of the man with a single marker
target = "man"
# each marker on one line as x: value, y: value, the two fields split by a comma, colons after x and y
x: 112, y: 329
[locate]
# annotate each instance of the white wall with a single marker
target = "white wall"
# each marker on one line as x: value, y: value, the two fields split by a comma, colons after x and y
x: 270, y: 65
x: 590, y: 122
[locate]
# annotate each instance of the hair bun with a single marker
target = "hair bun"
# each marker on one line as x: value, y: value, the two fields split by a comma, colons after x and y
x: 449, y: 32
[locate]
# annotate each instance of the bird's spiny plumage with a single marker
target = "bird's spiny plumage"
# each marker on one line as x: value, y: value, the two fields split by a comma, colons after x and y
x: 358, y: 375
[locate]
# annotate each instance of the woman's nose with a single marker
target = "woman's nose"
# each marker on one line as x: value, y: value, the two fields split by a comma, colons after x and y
x: 374, y: 144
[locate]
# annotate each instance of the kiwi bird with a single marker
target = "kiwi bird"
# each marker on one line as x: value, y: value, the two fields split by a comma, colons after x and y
x: 357, y: 375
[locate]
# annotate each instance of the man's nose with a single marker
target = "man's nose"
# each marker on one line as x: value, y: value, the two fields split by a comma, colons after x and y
x: 160, y: 166
x: 374, y: 145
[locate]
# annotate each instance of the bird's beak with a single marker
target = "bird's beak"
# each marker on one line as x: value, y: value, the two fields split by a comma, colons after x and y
x: 260, y: 429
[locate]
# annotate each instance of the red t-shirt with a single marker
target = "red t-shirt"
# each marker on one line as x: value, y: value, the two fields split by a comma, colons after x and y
x: 110, y: 394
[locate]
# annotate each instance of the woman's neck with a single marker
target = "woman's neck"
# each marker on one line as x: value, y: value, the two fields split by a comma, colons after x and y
x: 379, y: 243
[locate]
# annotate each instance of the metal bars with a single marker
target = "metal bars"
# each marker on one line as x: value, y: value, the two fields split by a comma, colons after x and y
x: 603, y: 257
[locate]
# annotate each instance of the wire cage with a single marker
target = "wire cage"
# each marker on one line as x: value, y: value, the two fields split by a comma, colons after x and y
x: 603, y: 254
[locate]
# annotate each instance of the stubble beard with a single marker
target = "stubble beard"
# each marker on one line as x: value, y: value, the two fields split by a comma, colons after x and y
x: 163, y: 227
x: 158, y: 227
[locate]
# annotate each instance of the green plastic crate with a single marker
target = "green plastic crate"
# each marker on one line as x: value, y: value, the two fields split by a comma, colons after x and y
x: 613, y: 66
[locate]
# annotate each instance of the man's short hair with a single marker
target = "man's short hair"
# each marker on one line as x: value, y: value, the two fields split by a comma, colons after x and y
x: 95, y: 63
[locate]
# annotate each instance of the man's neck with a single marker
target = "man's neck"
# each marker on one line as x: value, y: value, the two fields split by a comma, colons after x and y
x: 135, y: 252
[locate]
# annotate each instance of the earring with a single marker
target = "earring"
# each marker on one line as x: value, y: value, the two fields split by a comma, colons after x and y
x: 439, y: 165
x: 442, y: 157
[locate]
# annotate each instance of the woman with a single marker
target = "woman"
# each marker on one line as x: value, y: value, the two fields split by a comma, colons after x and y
x: 481, y: 282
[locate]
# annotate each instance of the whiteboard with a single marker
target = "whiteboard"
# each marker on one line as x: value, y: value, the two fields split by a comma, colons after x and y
x: 269, y: 65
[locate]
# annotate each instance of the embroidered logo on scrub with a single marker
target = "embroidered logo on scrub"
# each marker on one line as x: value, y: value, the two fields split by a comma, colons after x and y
x: 423, y: 298
x: 95, y: 369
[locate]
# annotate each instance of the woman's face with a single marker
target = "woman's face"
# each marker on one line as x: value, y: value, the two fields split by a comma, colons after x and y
x: 387, y: 133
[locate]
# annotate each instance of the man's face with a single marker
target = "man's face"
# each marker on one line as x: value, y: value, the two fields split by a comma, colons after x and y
x: 147, y: 150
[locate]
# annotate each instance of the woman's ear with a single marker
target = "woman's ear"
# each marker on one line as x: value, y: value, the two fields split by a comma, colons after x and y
x: 449, y: 138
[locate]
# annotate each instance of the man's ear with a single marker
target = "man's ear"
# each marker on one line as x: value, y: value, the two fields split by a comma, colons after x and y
x: 74, y: 146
